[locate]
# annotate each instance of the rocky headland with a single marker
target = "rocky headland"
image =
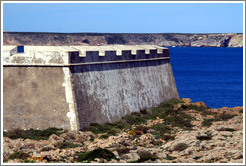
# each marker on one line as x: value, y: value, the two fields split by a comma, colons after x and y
x: 175, y: 132
x: 94, y: 39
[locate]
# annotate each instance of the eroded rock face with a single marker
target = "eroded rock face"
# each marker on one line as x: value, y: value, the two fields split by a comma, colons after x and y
x: 93, y: 39
x: 221, y: 142
x: 236, y: 41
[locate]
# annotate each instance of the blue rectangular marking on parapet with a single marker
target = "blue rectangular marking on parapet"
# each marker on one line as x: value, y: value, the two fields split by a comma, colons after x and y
x: 20, y: 49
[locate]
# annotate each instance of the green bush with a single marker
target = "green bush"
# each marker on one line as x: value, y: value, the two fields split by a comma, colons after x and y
x: 197, y: 157
x: 104, y: 136
x: 180, y: 147
x: 122, y: 151
x: 28, y: 161
x: 171, y: 102
x: 181, y: 120
x: 240, y: 157
x: 207, y: 122
x: 226, y: 129
x: 134, y: 118
x: 97, y: 153
x: 173, y: 118
x: 204, y: 137
x: 145, y: 156
x: 121, y: 124
x: 33, y: 134
x: 108, y: 128
x: 221, y: 117
x: 168, y: 157
x: 168, y: 137
x: 163, y: 131
x: 98, y: 128
x: 162, y: 128
x: 113, y: 128
x: 47, y: 149
x: 163, y: 109
x: 197, y: 108
x: 66, y: 145
x: 19, y: 155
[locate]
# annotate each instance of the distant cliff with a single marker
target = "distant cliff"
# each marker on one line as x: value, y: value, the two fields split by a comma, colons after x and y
x: 161, y: 39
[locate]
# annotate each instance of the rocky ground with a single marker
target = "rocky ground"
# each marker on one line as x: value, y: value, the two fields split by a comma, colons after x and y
x: 204, y: 136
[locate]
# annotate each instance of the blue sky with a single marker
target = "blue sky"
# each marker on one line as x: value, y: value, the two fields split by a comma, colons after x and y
x: 124, y: 18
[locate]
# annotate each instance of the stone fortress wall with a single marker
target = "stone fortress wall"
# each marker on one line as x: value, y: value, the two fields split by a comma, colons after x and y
x: 71, y: 86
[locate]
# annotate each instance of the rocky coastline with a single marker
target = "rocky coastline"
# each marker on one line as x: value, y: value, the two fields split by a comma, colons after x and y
x: 97, y: 39
x: 174, y: 132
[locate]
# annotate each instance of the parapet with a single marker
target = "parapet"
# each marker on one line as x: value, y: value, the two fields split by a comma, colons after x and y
x: 80, y: 55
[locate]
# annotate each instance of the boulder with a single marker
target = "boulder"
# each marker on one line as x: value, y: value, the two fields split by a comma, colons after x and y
x: 199, y: 104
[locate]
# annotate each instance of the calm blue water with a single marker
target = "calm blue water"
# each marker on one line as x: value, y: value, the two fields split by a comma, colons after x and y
x: 211, y: 75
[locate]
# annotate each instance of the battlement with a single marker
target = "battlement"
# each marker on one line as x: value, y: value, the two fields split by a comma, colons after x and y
x: 79, y: 55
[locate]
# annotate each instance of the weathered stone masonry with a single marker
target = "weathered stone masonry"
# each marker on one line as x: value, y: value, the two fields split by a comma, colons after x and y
x: 71, y: 86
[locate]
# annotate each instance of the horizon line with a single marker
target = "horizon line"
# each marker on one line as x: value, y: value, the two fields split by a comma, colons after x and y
x: 4, y: 31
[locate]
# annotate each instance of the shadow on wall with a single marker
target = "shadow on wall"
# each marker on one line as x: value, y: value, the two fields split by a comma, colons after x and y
x: 93, y: 56
x: 104, y: 62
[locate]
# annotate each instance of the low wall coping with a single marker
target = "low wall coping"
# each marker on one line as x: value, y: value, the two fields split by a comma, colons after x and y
x: 59, y: 55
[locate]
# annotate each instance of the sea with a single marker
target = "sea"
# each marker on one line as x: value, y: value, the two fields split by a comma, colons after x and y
x: 209, y: 74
